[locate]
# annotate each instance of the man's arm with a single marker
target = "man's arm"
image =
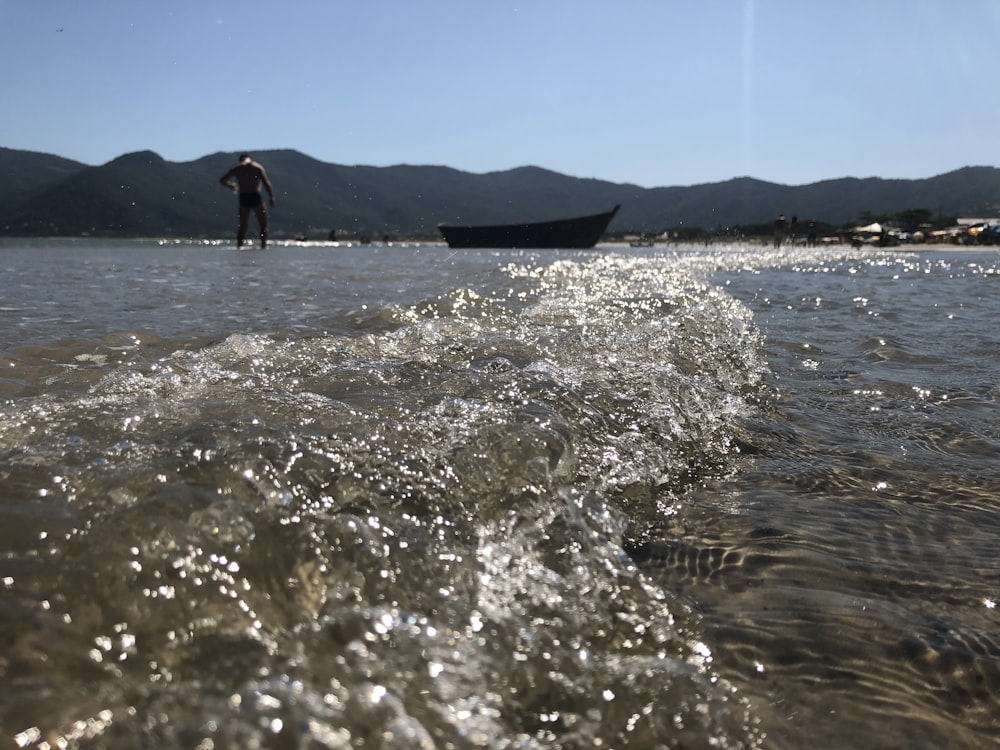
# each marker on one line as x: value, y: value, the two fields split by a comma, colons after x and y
x: 267, y: 184
x: 226, y: 180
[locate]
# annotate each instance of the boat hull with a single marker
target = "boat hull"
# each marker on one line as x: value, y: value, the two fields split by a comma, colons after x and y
x: 578, y: 232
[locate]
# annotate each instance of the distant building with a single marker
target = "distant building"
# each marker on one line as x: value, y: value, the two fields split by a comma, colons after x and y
x: 973, y: 222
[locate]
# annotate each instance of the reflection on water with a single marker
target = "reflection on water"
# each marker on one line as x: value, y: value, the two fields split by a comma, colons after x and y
x: 406, y: 497
x: 845, y: 576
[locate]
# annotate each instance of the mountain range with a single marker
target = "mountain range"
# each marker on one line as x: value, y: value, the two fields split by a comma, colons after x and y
x: 142, y: 195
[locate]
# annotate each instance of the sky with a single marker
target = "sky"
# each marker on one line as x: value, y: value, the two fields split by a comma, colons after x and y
x: 648, y: 92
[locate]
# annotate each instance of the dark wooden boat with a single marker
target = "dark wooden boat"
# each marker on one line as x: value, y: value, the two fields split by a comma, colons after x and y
x: 579, y: 232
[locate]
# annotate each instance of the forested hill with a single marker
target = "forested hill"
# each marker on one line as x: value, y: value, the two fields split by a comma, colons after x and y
x: 142, y: 195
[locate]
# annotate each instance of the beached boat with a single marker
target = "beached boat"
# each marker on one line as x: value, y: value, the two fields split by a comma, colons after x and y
x: 578, y: 232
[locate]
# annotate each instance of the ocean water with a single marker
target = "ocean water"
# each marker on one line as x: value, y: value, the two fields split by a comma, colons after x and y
x: 407, y: 497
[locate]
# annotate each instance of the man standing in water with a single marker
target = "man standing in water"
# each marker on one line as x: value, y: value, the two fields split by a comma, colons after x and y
x: 246, y: 178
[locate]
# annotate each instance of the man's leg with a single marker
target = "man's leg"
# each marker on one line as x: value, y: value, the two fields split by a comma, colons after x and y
x: 241, y: 235
x: 261, y: 212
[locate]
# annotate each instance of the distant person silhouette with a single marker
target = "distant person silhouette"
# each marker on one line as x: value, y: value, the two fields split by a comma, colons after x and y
x: 247, y: 178
x: 779, y: 230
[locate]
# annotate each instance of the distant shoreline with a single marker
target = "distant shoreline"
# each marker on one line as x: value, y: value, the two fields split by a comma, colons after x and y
x: 748, y: 245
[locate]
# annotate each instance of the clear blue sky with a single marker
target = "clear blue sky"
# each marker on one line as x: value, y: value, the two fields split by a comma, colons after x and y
x: 653, y: 92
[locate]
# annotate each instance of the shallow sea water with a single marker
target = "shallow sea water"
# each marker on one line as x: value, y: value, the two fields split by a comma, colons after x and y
x: 403, y: 497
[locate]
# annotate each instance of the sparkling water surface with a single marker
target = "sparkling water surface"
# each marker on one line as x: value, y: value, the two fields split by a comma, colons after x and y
x: 405, y: 497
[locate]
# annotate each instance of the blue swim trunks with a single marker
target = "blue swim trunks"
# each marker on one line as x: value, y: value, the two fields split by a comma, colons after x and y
x: 251, y: 200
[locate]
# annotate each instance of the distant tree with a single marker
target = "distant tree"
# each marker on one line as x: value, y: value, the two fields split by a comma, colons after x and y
x: 912, y: 219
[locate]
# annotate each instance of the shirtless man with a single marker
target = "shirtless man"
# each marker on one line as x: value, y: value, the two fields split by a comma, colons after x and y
x: 246, y: 178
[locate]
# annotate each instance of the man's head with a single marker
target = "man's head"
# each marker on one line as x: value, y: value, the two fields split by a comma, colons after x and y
x: 245, y: 159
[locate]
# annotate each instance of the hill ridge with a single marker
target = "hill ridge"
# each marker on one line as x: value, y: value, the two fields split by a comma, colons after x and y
x: 142, y: 194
